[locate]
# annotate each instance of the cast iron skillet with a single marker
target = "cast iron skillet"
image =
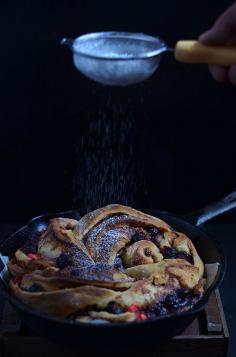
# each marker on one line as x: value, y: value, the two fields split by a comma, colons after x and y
x: 146, y: 331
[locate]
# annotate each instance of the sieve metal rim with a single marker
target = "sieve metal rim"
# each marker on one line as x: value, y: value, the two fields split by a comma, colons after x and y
x: 109, y: 34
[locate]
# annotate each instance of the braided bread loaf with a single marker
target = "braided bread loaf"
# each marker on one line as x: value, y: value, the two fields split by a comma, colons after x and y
x: 115, y: 264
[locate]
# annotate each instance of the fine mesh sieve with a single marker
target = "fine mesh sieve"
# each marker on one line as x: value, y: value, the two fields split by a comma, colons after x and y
x: 123, y: 58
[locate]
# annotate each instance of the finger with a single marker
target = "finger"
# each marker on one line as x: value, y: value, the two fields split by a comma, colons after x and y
x: 232, y: 74
x: 219, y: 73
x: 223, y: 29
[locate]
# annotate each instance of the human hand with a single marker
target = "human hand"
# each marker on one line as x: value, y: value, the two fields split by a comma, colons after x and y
x: 223, y: 32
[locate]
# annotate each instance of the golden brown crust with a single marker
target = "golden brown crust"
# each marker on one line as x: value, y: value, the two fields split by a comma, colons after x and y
x: 92, y: 218
x: 97, y: 275
x: 60, y: 237
x: 62, y: 303
x: 104, y: 315
x: 186, y: 273
x: 28, y: 264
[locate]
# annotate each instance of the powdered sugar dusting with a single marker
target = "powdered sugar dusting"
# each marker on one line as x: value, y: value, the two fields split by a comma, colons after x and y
x: 98, y: 272
x: 111, y: 242
x: 93, y: 235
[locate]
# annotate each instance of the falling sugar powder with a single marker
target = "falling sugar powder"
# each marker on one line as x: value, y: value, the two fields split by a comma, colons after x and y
x: 108, y: 171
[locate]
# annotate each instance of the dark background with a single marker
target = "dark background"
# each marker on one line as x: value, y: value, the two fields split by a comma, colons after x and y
x: 185, y: 122
x: 183, y: 131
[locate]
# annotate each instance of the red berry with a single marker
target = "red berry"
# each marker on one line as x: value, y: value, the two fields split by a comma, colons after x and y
x: 141, y: 316
x: 17, y: 279
x: 133, y: 308
x: 33, y: 256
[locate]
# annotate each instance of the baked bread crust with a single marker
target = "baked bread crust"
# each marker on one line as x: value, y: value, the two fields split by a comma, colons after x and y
x: 115, y: 264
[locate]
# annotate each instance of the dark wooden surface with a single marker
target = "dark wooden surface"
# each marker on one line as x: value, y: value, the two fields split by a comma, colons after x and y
x: 207, y: 335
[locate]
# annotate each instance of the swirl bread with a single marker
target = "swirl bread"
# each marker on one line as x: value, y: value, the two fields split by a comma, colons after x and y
x: 115, y: 264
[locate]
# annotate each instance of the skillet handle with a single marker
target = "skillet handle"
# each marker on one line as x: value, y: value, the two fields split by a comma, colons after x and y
x: 3, y: 267
x: 213, y: 210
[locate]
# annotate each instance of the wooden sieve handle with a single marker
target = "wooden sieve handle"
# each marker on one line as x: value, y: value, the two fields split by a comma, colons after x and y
x: 196, y: 52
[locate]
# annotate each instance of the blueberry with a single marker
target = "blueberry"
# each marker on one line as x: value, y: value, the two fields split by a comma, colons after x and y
x: 137, y: 237
x: 170, y: 252
x: 186, y: 256
x: 153, y: 232
x: 151, y: 315
x: 183, y: 293
x: 63, y: 260
x: 184, y: 296
x: 114, y: 308
x: 171, y: 300
x: 158, y: 309
x: 163, y: 310
x: 35, y: 288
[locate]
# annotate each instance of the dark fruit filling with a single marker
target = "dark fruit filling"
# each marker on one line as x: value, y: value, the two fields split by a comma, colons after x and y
x: 147, y: 252
x: 30, y: 246
x: 35, y: 288
x: 170, y: 252
x: 183, y: 293
x: 186, y: 256
x: 137, y: 237
x: 63, y: 260
x: 17, y: 279
x: 172, y: 302
x: 114, y: 308
x: 153, y: 232
x: 157, y: 310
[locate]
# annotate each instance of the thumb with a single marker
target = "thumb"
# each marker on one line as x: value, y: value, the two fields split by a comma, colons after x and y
x: 223, y: 30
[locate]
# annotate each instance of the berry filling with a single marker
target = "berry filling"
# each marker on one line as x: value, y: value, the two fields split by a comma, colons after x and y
x: 169, y: 252
x: 137, y: 237
x: 30, y: 246
x: 114, y: 308
x: 172, y: 253
x: 35, y: 288
x: 133, y: 308
x: 33, y: 256
x: 172, y: 302
x: 141, y: 316
x: 186, y: 256
x: 153, y: 232
x: 63, y: 260
x: 17, y: 279
x: 157, y: 310
x: 147, y: 252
